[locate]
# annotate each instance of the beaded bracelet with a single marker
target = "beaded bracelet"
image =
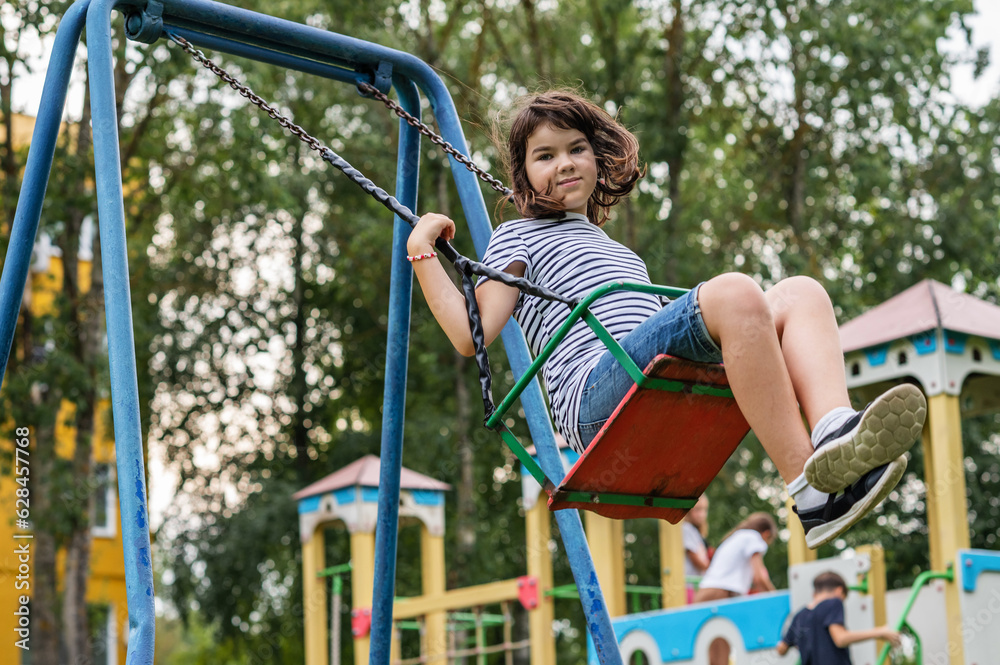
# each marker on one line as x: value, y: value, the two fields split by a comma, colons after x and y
x: 428, y: 255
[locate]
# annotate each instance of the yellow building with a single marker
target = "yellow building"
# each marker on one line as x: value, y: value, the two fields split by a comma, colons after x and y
x: 106, y: 584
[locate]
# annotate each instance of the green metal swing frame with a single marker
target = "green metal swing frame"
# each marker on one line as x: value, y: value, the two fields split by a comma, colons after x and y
x: 582, y: 311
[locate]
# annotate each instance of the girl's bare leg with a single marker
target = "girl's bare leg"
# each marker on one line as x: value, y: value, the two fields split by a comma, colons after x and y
x: 810, y: 343
x: 783, y: 348
x: 739, y: 318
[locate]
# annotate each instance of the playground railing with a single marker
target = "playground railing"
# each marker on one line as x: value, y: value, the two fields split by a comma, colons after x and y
x: 901, y: 623
x: 476, y: 645
x: 634, y: 592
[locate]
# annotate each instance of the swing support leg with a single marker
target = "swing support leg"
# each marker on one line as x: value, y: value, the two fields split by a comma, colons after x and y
x: 397, y: 350
x: 121, y: 338
x: 595, y: 609
x: 121, y: 349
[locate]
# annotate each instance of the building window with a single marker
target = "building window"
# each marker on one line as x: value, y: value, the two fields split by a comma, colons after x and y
x: 102, y: 635
x: 105, y: 503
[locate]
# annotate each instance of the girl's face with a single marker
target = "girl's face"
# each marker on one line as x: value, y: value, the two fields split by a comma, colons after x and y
x: 561, y: 163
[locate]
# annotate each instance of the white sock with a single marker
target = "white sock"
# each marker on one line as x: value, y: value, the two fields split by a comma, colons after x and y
x: 830, y: 422
x: 805, y: 496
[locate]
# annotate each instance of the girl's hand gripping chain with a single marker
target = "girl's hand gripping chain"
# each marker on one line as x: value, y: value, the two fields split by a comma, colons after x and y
x: 446, y: 302
x: 430, y: 227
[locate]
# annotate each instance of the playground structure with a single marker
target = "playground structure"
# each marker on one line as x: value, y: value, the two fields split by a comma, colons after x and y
x: 678, y: 634
x: 349, y: 496
x: 949, y: 350
x: 949, y: 344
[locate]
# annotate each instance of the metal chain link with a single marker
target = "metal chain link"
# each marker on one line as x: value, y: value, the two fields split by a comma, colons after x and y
x: 462, y: 263
x: 244, y: 90
x: 315, y: 143
x: 436, y: 139
x: 465, y: 266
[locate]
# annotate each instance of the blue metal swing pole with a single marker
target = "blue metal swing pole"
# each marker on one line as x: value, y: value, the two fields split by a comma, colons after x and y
x: 394, y: 401
x: 36, y: 175
x: 121, y: 340
x: 570, y: 527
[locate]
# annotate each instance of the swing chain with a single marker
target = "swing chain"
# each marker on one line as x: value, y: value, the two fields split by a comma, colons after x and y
x: 315, y: 143
x: 371, y: 188
x: 436, y: 139
x: 257, y: 100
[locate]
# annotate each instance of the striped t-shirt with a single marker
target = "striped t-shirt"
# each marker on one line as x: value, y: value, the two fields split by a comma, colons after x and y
x: 572, y: 257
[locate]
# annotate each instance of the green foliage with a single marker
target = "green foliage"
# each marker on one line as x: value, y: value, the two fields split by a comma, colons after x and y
x: 195, y: 643
x: 782, y: 138
x: 247, y: 576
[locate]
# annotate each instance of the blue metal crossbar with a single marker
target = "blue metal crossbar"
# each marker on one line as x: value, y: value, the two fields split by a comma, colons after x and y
x: 291, y: 45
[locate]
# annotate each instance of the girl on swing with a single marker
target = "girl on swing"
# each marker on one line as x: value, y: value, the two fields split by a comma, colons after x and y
x: 569, y: 163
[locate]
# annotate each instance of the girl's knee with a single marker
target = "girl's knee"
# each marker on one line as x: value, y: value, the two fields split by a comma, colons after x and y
x: 733, y: 293
x: 734, y: 306
x: 796, y: 292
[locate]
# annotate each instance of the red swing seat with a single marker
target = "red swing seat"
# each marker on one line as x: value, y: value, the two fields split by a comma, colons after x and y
x: 658, y: 444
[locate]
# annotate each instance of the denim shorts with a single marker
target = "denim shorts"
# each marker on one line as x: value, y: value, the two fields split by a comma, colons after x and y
x: 678, y: 330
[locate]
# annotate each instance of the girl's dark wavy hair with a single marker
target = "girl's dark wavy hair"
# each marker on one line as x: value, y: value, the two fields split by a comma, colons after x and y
x: 616, y: 150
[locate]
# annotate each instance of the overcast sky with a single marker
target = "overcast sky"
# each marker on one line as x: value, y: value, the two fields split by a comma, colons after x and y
x: 985, y: 25
x: 985, y: 32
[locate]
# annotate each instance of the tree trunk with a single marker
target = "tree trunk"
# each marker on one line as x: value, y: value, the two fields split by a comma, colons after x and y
x: 534, y: 39
x: 605, y: 26
x: 630, y: 228
x: 76, y: 625
x: 795, y: 182
x: 465, y: 522
x: 795, y: 161
x: 44, y: 597
x: 298, y: 387
x: 675, y: 126
x: 76, y: 631
x: 84, y: 332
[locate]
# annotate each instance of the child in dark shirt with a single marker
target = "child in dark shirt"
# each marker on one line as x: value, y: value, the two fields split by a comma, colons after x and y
x: 818, y: 629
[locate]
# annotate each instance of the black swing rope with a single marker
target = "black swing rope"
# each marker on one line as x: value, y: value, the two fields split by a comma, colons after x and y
x: 466, y: 267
